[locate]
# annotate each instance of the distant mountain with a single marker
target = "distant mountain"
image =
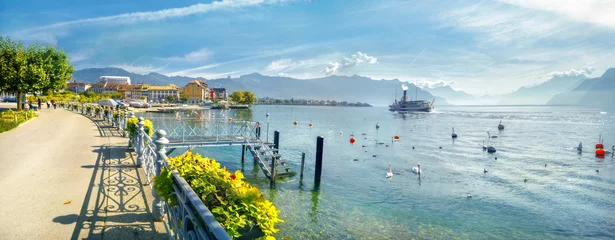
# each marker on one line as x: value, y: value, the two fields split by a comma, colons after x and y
x: 593, y: 91
x: 92, y: 75
x: 339, y: 88
x: 540, y: 94
x: 453, y: 96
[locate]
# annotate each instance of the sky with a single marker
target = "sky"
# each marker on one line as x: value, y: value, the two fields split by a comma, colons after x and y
x: 481, y: 47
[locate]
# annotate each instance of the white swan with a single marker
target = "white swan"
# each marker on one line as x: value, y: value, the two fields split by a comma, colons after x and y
x: 417, y: 169
x: 390, y: 172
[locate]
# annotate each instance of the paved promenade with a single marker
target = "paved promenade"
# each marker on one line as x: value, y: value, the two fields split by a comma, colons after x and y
x: 65, y: 176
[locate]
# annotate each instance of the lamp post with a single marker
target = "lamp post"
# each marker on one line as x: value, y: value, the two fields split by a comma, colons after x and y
x: 267, y: 127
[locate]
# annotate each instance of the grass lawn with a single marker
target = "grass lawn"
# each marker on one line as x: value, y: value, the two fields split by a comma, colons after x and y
x: 10, y: 119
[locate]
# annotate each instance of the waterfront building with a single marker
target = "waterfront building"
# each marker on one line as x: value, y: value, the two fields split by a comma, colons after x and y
x: 218, y: 94
x: 78, y: 87
x: 138, y: 91
x: 103, y: 87
x: 115, y: 79
x: 196, y: 92
x: 161, y: 93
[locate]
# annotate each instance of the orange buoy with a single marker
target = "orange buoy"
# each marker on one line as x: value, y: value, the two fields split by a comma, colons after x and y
x: 599, y: 146
x: 396, y: 137
x: 199, y: 117
x: 230, y: 119
x: 352, y: 140
x: 179, y: 117
x: 600, y: 152
x: 311, y: 125
x: 295, y: 123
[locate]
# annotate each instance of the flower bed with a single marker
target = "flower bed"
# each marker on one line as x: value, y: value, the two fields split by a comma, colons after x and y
x: 235, y: 204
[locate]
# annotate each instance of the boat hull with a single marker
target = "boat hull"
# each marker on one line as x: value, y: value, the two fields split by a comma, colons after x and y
x: 410, y: 109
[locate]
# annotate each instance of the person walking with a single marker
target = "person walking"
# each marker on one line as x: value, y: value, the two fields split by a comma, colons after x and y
x: 39, y: 103
x: 48, y: 104
x: 54, y: 103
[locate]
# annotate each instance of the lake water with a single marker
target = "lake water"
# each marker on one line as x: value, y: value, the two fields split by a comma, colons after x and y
x: 566, y: 199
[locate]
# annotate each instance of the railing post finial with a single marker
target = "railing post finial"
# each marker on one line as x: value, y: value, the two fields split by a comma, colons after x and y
x: 140, y: 148
x: 161, y: 154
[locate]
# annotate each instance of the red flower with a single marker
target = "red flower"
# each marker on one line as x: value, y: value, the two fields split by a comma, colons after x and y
x: 233, y: 176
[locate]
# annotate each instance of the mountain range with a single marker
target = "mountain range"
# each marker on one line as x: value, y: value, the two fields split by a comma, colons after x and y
x: 339, y: 88
x: 592, y: 91
x: 559, y: 90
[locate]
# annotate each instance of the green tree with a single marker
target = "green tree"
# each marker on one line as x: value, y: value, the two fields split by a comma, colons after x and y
x: 170, y: 98
x: 35, y: 69
x: 243, y: 97
x: 236, y: 97
x: 248, y: 98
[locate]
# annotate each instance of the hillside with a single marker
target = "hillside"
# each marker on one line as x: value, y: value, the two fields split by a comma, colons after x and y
x: 542, y: 93
x: 92, y: 75
x: 339, y: 88
x: 594, y: 91
x: 453, y: 96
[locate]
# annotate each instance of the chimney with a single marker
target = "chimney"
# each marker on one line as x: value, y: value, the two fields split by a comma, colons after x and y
x: 404, y: 98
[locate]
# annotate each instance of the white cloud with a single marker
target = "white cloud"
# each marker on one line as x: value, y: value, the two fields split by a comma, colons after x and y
x: 48, y: 33
x: 280, y: 65
x: 511, y: 25
x: 288, y: 65
x: 81, y: 55
x: 135, y: 17
x: 432, y: 84
x: 599, y: 12
x: 199, y: 55
x: 356, y: 59
x: 254, y: 56
x: 586, y: 70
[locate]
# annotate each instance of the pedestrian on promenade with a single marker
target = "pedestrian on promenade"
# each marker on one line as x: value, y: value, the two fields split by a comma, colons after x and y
x: 39, y: 103
x: 54, y: 103
x: 48, y: 104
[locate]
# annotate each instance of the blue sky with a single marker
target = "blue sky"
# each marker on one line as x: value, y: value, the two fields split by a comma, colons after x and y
x: 478, y: 46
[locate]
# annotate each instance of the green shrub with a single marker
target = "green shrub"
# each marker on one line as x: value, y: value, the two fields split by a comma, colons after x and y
x: 131, y: 126
x: 235, y: 204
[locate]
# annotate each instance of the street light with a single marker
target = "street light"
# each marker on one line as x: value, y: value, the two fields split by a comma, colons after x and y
x: 267, y: 126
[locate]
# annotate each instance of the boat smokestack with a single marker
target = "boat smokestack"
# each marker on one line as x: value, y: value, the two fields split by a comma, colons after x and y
x: 405, y: 89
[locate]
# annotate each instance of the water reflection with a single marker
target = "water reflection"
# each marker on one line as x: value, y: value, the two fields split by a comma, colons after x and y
x: 244, y: 114
x: 314, y: 213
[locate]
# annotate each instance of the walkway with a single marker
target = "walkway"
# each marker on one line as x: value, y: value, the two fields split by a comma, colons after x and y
x: 64, y: 176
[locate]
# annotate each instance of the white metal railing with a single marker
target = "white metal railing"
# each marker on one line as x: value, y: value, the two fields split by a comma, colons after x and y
x: 189, y: 218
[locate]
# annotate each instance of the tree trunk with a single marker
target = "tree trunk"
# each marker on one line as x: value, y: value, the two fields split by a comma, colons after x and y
x: 19, y: 108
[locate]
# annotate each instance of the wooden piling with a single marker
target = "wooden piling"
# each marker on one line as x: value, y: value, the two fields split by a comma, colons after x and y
x: 302, y: 164
x: 272, y: 173
x: 276, y: 141
x: 243, y: 153
x: 319, y: 145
